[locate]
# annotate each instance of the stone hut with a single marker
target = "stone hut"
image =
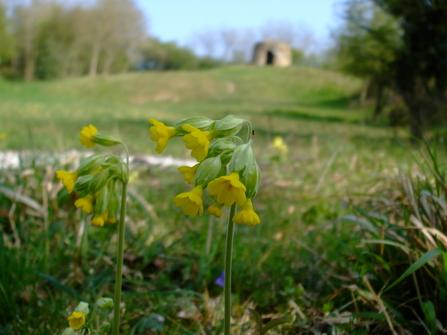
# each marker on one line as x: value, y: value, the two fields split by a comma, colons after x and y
x: 275, y: 53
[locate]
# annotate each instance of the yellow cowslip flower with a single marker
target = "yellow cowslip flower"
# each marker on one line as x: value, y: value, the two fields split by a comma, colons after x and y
x: 86, y: 203
x: 161, y: 134
x: 247, y: 215
x: 68, y: 179
x: 76, y: 320
x: 99, y: 220
x: 87, y: 136
x: 279, y: 144
x: 198, y: 141
x: 192, y: 201
x: 189, y: 173
x: 215, y: 209
x: 228, y: 189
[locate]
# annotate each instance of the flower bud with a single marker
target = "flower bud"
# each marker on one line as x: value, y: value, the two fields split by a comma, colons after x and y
x: 102, y: 201
x: 105, y: 139
x: 208, y: 170
x: 68, y: 331
x: 243, y: 158
x: 111, y: 160
x: 220, y: 146
x: 82, y: 307
x: 228, y: 126
x: 90, y: 164
x: 105, y: 303
x: 199, y: 122
x: 99, y: 180
x: 83, y: 183
x: 105, y: 328
x: 252, y: 180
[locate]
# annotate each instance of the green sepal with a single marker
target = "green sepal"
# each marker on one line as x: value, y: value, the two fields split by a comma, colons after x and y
x: 229, y: 126
x: 199, y: 122
x: 83, y: 183
x: 116, y: 171
x: 105, y: 139
x: 103, y: 199
x: 124, y: 173
x: 208, y: 170
x: 99, y: 180
x: 220, y: 146
x: 105, y: 303
x: 112, y: 160
x: 68, y: 331
x: 114, y: 203
x: 252, y: 180
x: 243, y: 158
x: 83, y: 308
x: 105, y: 328
x: 90, y: 164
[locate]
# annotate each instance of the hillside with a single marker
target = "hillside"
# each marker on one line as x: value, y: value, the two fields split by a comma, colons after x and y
x: 302, y: 101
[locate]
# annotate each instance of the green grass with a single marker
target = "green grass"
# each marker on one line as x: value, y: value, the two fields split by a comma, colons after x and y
x: 299, y: 101
x: 339, y: 185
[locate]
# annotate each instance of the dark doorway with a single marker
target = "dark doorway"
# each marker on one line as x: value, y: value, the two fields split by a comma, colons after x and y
x: 270, y: 58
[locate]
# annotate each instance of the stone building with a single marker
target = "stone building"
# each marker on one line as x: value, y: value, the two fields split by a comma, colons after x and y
x: 275, y: 53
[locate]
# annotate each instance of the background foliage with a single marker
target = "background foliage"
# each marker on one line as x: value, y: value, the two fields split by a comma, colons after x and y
x: 350, y: 207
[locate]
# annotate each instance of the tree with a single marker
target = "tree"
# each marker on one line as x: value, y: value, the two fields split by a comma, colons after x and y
x: 26, y: 27
x: 367, y: 45
x: 420, y: 66
x: 7, y: 47
x: 116, y: 26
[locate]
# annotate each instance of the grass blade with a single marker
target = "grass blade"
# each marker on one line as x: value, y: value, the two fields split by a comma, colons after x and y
x: 430, y: 316
x: 429, y: 255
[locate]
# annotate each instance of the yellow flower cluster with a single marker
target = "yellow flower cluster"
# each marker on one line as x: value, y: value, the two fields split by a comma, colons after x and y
x: 76, y: 320
x: 213, y: 144
x: 97, y: 175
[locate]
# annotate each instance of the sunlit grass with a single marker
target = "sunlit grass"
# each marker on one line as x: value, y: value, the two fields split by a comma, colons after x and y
x: 303, y: 260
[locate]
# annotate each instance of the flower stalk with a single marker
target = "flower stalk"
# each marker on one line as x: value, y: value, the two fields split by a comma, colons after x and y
x: 119, y: 263
x: 228, y: 269
x: 226, y: 167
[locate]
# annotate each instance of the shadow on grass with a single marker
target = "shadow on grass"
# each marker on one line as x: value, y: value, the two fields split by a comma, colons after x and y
x: 299, y: 115
x: 357, y: 139
x: 338, y: 103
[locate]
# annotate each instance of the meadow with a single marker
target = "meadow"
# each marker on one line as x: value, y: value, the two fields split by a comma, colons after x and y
x: 344, y: 213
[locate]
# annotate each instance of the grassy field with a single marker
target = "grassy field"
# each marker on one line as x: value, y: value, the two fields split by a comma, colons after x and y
x: 344, y: 181
x: 292, y: 102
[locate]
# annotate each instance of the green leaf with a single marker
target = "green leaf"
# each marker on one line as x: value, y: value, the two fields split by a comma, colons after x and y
x: 59, y: 285
x: 430, y: 315
x: 273, y: 324
x: 429, y: 255
x: 185, y: 332
x: 258, y: 320
x: 394, y: 244
x: 444, y: 262
x: 219, y: 329
x: 369, y: 315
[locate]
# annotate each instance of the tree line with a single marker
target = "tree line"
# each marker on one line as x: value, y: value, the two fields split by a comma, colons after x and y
x: 45, y: 39
x: 400, y: 48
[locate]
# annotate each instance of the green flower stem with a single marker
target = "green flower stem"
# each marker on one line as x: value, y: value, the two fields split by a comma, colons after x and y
x: 119, y: 263
x: 93, y: 315
x: 227, y: 277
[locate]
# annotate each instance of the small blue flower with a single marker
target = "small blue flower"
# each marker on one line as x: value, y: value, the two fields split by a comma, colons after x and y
x: 220, y: 281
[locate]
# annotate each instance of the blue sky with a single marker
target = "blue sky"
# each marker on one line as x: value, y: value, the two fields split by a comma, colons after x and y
x: 178, y: 20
